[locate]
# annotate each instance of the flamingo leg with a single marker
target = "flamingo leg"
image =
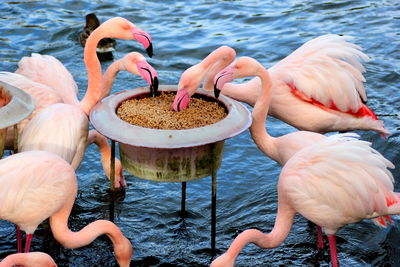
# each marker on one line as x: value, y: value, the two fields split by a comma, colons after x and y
x: 28, y: 242
x: 19, y: 239
x: 332, y: 246
x: 320, y: 238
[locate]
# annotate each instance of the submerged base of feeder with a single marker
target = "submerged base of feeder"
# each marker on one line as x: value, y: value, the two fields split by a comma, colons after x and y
x: 171, y: 165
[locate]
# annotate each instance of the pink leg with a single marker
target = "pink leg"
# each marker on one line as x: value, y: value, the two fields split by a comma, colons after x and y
x: 19, y: 239
x: 28, y: 242
x: 332, y: 246
x: 320, y: 238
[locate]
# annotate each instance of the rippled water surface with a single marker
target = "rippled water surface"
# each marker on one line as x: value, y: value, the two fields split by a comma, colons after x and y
x: 184, y: 32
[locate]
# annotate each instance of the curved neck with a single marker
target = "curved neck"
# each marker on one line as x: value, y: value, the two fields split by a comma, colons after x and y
x: 93, y: 67
x: 258, y: 130
x: 69, y: 239
x: 283, y: 223
x: 213, y: 63
x: 109, y: 77
x: 95, y: 137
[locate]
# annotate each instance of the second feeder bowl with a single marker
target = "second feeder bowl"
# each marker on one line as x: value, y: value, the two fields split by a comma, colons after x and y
x: 169, y: 155
x: 15, y: 105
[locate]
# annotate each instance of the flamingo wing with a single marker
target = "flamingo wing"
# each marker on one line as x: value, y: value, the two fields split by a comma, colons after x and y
x: 327, y: 72
x: 339, y: 180
x: 50, y: 71
x: 59, y: 128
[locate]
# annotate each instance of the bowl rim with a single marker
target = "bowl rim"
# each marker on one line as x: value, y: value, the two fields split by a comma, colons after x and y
x: 105, y: 120
x: 19, y: 107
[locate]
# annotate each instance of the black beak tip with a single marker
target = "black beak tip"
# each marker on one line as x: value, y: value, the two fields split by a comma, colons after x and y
x: 149, y: 50
x: 216, y: 91
x: 154, y: 87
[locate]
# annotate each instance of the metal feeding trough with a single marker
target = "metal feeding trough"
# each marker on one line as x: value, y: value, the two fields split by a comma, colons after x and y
x: 15, y: 105
x: 171, y: 155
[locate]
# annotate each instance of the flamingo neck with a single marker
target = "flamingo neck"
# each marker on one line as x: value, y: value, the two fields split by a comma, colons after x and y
x: 213, y: 63
x: 93, y: 67
x: 258, y: 129
x: 283, y: 223
x: 247, y: 92
x: 109, y: 76
x: 95, y: 137
x: 70, y: 239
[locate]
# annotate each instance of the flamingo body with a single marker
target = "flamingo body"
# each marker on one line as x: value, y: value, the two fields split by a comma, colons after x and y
x: 319, y: 88
x: 334, y: 182
x: 40, y: 185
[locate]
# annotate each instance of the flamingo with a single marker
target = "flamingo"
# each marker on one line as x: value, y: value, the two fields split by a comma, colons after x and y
x: 31, y: 259
x: 280, y: 149
x: 37, y: 185
x: 62, y: 127
x: 337, y: 181
x: 191, y: 78
x: 319, y: 88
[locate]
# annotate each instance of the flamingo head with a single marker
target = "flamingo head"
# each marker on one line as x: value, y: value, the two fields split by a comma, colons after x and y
x: 123, y: 251
x: 223, y: 77
x: 145, y: 39
x: 136, y: 63
x: 188, y: 84
x: 121, y: 28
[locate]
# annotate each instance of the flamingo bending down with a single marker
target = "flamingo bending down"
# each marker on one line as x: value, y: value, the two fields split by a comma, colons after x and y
x: 192, y: 77
x: 31, y: 259
x: 337, y: 181
x: 37, y: 185
x: 63, y: 128
x: 319, y: 88
x: 279, y: 149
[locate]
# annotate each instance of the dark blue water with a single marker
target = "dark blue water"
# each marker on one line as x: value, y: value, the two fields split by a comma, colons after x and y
x: 184, y: 32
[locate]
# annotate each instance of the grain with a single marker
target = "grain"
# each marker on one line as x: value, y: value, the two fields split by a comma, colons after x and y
x: 157, y: 113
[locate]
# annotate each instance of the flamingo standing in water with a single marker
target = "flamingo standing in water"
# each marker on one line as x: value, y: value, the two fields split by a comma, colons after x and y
x: 337, y: 181
x: 279, y: 149
x: 205, y: 70
x: 319, y: 88
x: 62, y: 128
x: 31, y: 259
x: 37, y: 185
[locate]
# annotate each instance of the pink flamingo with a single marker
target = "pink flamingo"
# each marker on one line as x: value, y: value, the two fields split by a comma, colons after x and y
x: 31, y: 259
x: 47, y: 129
x: 319, y: 88
x: 37, y: 185
x: 205, y: 70
x: 337, y: 181
x: 279, y: 149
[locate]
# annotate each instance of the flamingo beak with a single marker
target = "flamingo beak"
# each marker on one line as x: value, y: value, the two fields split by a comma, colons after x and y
x: 149, y: 74
x: 181, y: 100
x: 224, y: 76
x: 149, y: 50
x: 154, y: 87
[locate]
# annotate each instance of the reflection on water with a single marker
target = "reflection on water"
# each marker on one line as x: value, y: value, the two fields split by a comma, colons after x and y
x: 183, y: 33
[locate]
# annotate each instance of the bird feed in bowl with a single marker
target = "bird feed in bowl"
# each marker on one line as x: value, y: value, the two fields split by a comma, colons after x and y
x: 157, y: 113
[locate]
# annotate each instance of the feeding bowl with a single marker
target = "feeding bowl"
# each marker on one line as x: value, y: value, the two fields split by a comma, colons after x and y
x: 169, y: 155
x: 15, y: 105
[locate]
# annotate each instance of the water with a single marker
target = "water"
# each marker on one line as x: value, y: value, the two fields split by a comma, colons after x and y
x: 184, y: 32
